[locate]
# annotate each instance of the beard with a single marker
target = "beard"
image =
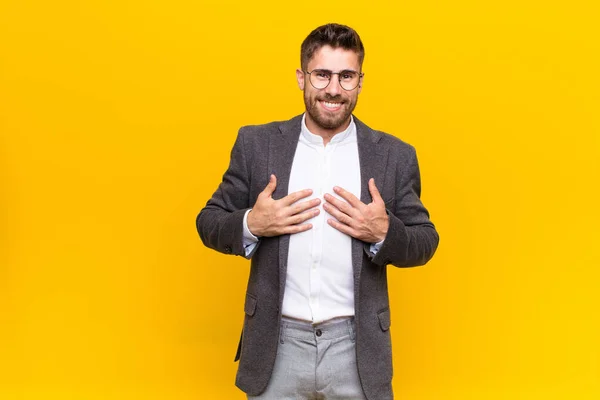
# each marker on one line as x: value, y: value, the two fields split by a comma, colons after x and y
x: 326, y: 119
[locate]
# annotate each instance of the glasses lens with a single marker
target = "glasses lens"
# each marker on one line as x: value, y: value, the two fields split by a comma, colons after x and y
x: 349, y: 80
x: 320, y: 78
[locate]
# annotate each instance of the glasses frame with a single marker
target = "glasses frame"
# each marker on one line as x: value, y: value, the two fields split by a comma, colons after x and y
x: 360, y: 76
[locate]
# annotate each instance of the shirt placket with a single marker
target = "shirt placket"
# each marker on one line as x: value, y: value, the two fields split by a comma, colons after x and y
x: 322, y: 180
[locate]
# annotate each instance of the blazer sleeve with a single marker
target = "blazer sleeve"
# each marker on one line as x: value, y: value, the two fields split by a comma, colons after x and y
x: 411, y: 239
x: 220, y: 222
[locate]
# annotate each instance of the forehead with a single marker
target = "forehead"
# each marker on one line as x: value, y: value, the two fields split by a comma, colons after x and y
x: 334, y: 59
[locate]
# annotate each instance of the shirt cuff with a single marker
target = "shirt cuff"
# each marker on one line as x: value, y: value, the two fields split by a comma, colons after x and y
x: 375, y: 247
x: 249, y: 240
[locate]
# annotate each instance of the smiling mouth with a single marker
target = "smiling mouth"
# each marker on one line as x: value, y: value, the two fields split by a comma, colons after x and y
x: 330, y: 106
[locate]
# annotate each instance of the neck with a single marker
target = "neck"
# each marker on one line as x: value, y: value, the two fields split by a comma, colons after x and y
x: 325, y: 133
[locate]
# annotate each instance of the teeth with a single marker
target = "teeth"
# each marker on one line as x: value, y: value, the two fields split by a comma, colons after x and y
x: 331, y: 105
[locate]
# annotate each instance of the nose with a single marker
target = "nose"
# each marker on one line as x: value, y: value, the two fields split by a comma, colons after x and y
x: 334, y: 88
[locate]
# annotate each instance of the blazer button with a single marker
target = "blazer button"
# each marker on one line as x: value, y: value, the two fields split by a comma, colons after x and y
x: 228, y: 249
x: 318, y: 332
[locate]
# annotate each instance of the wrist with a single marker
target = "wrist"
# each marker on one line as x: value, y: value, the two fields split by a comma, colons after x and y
x: 385, y: 230
x: 251, y: 224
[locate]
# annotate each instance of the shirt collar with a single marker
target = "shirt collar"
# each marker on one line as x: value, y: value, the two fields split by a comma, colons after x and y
x: 337, y: 138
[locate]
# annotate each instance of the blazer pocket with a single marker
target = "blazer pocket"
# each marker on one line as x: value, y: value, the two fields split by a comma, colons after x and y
x: 250, y: 305
x: 390, y: 203
x: 384, y: 319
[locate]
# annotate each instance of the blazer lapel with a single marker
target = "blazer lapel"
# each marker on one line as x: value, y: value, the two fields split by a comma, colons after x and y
x: 282, y: 148
x: 372, y: 158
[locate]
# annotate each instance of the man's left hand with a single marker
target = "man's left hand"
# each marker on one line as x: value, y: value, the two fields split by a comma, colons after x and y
x: 366, y: 222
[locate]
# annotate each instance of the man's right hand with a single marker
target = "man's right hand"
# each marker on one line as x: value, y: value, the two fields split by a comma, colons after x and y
x: 271, y: 217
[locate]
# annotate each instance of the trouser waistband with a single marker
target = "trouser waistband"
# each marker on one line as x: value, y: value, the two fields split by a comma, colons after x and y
x: 332, y: 329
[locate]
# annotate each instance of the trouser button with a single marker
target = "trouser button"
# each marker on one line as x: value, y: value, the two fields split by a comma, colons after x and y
x: 318, y: 332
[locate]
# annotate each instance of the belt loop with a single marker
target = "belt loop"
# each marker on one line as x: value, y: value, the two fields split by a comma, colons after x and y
x: 351, y: 329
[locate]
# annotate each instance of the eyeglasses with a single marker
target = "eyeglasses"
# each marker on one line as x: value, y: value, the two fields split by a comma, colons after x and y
x: 320, y: 78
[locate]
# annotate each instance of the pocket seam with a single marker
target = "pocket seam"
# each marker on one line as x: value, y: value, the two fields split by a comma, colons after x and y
x: 250, y: 305
x: 384, y: 319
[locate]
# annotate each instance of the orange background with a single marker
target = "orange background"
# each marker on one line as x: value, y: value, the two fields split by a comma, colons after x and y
x: 116, y: 122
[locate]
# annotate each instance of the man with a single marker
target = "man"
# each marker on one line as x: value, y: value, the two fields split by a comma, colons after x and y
x: 320, y: 204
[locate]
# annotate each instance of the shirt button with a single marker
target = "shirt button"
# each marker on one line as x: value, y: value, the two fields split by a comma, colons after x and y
x: 318, y: 332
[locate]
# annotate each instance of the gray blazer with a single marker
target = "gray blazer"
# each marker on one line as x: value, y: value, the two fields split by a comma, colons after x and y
x: 411, y: 240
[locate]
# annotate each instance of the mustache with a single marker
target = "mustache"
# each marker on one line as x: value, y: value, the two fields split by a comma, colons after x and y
x: 328, y: 97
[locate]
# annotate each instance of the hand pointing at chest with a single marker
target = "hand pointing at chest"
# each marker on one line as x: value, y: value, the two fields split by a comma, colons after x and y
x: 270, y: 217
x: 366, y: 222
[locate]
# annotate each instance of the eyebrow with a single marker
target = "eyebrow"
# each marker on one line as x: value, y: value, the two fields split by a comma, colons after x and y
x: 328, y: 70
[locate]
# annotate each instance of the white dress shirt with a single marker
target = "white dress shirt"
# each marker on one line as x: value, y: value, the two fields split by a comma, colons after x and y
x: 320, y: 282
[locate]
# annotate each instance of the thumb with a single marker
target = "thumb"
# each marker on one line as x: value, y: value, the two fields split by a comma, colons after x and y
x: 270, y: 188
x: 375, y: 195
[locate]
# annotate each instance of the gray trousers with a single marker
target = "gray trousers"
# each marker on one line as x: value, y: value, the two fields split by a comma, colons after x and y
x: 315, y: 362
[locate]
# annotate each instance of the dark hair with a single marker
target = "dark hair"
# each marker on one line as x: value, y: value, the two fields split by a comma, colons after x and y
x: 334, y: 35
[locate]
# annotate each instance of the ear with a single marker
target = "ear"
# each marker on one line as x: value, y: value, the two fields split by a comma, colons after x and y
x: 360, y: 83
x: 300, y: 78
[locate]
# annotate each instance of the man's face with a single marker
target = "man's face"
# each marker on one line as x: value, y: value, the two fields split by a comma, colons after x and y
x: 330, y: 108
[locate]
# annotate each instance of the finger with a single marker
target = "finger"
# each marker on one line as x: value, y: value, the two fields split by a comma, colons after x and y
x: 302, y: 217
x: 375, y: 195
x: 294, y: 197
x: 303, y: 206
x: 348, y: 196
x: 340, y: 216
x: 291, y: 229
x: 342, y: 228
x: 270, y: 188
x: 340, y: 205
